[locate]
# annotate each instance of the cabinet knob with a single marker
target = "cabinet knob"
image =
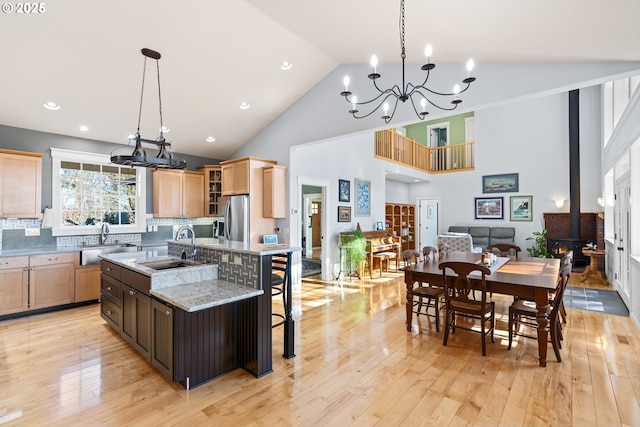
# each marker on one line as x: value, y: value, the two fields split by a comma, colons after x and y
x: 108, y: 268
x: 109, y: 313
x: 108, y: 288
x: 168, y: 313
x: 132, y: 292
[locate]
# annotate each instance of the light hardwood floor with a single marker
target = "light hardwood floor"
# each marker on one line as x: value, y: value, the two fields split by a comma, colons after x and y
x: 355, y: 365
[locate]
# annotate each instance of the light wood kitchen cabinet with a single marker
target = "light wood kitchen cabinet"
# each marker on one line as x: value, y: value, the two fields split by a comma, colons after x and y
x: 178, y: 194
x: 212, y: 189
x: 87, y: 283
x: 14, y: 284
x: 274, y: 192
x: 20, y: 184
x: 51, y: 279
x: 236, y: 177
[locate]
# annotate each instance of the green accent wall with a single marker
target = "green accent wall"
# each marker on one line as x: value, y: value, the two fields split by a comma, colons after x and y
x: 418, y: 131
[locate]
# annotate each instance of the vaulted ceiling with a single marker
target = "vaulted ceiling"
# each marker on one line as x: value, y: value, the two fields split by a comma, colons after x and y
x: 216, y: 54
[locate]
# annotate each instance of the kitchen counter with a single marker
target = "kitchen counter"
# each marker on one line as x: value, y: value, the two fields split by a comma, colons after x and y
x: 38, y: 251
x: 201, y: 295
x: 233, y: 246
x: 191, y: 288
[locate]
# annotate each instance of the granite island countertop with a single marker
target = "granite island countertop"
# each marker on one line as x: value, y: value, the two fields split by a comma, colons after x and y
x: 233, y: 246
x: 191, y: 288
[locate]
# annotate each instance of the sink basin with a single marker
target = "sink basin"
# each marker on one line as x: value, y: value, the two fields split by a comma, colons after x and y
x: 166, y: 264
x: 89, y: 254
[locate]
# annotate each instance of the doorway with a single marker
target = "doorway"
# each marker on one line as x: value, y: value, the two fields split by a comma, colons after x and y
x: 311, y: 230
x: 622, y: 226
x: 438, y: 137
x: 428, y: 209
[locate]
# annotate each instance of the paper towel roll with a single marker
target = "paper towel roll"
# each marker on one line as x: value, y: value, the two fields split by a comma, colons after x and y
x: 47, y: 218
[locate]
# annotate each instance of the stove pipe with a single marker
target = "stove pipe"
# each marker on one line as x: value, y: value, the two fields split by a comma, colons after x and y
x: 574, y: 164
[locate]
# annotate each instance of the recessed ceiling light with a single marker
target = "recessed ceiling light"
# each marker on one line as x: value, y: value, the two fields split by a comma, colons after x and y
x: 84, y: 128
x: 244, y: 106
x: 211, y: 139
x: 164, y: 129
x: 131, y: 136
x: 50, y: 105
x: 416, y: 180
x: 286, y: 65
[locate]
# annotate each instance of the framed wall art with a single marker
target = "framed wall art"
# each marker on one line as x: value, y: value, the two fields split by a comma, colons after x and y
x: 363, y: 197
x: 521, y: 208
x: 489, y: 208
x: 505, y: 183
x: 344, y: 213
x: 344, y: 190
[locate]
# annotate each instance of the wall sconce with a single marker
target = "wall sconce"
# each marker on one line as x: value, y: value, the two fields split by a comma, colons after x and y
x: 559, y: 203
x: 601, y: 201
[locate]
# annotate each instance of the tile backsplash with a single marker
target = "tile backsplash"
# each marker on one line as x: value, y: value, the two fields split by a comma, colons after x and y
x: 12, y: 233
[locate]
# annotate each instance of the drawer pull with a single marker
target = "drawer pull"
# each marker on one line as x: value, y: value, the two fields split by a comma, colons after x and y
x: 53, y: 259
x: 132, y: 292
x: 109, y: 313
x: 108, y: 268
x: 109, y: 288
x: 168, y: 313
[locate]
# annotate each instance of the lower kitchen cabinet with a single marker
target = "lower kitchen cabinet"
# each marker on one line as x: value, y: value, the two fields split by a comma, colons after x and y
x: 51, y: 280
x: 162, y: 345
x: 87, y: 283
x: 14, y: 284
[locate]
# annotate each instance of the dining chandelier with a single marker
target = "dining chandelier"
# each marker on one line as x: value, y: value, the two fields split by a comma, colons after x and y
x: 416, y: 93
x: 164, y: 158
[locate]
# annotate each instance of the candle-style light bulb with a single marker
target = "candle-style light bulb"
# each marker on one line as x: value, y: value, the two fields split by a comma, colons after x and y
x: 354, y: 101
x: 346, y: 82
x: 456, y: 89
x: 385, y: 107
x: 428, y: 50
x: 470, y: 65
x: 374, y: 62
x: 423, y: 104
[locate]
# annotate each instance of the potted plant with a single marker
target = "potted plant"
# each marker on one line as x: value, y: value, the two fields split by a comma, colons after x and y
x: 354, y: 246
x: 539, y: 248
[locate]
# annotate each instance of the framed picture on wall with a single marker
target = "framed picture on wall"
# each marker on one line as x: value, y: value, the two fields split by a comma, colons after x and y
x: 521, y: 208
x: 363, y: 197
x: 344, y: 190
x: 505, y: 183
x: 489, y: 208
x: 344, y: 213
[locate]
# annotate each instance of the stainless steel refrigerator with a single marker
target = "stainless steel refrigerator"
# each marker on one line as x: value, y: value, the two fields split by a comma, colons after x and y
x: 236, y: 218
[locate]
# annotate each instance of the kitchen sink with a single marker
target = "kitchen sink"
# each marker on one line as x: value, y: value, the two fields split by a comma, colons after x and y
x: 166, y: 264
x: 89, y: 254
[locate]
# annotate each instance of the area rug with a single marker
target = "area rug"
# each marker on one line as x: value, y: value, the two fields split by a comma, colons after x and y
x: 311, y: 267
x: 599, y: 300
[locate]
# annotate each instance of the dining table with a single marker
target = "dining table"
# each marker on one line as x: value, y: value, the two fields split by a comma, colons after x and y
x: 523, y: 277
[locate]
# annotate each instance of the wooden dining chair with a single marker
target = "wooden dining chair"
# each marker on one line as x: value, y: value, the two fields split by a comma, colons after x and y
x: 457, y: 290
x: 505, y: 249
x: 428, y: 294
x: 523, y: 312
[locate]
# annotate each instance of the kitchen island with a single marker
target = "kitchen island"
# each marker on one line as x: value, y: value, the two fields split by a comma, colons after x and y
x: 195, y: 320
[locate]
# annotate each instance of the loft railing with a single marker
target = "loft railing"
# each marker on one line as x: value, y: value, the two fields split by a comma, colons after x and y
x: 394, y: 147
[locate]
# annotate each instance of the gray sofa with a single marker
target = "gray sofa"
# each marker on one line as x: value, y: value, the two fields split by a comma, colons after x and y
x: 485, y: 236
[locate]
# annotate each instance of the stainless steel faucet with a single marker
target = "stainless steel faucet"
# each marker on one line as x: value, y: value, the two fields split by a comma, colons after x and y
x: 193, y: 238
x: 104, y: 233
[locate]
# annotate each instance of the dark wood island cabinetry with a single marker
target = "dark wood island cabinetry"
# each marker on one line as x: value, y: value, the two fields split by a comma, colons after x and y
x: 193, y: 332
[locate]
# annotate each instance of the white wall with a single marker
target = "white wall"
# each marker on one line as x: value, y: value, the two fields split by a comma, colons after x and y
x: 530, y: 138
x: 344, y: 158
x: 397, y: 192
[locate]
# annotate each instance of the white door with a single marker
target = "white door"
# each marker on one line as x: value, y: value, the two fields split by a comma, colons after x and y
x: 428, y: 224
x: 622, y: 218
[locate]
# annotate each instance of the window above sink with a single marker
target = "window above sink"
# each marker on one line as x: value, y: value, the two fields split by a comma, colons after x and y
x: 87, y: 190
